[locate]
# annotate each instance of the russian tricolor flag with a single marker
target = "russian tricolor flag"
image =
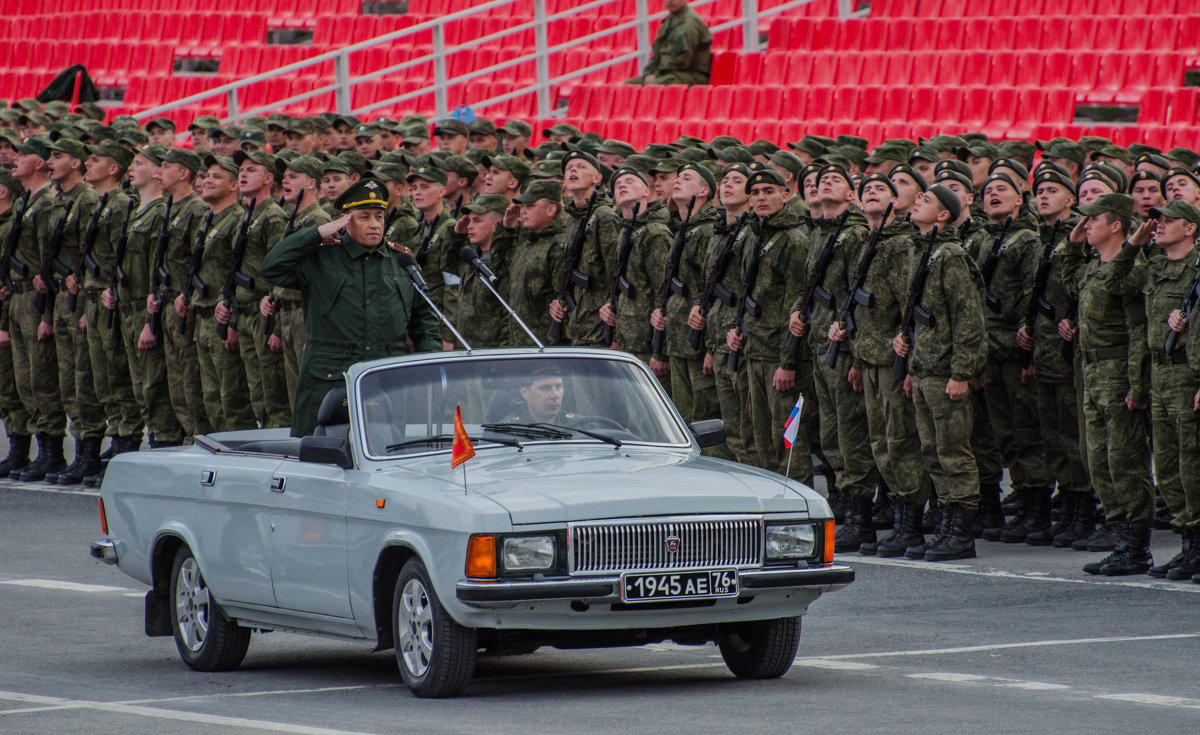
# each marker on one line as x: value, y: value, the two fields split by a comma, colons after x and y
x: 792, y: 426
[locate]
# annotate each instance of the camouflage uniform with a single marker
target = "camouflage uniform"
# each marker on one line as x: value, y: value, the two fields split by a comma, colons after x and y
x: 651, y: 244
x: 403, y: 223
x: 528, y: 264
x: 264, y: 369
x: 891, y: 418
x: 1173, y: 384
x: 222, y: 376
x: 289, y: 315
x: 1112, y: 341
x: 75, y: 383
x: 432, y: 250
x: 1012, y: 408
x: 183, y: 367
x: 732, y: 387
x: 597, y: 260
x: 953, y: 348
x: 481, y: 319
x: 110, y: 364
x: 35, y: 362
x: 693, y: 392
x: 16, y: 417
x: 782, y: 247
x: 147, y: 367
x: 845, y: 437
x: 681, y: 53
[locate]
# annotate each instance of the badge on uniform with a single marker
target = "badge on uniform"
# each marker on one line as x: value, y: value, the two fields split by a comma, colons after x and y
x: 398, y: 247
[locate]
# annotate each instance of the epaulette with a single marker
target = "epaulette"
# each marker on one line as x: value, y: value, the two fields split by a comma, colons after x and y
x: 398, y: 247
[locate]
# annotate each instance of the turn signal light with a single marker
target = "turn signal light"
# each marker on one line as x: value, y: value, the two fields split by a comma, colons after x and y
x: 103, y: 517
x: 481, y: 557
x: 827, y: 547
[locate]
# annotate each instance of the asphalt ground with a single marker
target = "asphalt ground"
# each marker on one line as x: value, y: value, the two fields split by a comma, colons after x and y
x: 1016, y: 640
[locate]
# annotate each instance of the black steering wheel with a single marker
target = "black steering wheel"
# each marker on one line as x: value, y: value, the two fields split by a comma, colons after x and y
x: 602, y: 421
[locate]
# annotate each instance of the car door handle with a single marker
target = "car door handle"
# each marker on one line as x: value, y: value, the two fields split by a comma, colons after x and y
x: 208, y: 477
x: 277, y: 484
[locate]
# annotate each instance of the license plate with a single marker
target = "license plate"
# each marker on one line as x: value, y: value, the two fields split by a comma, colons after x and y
x: 697, y: 585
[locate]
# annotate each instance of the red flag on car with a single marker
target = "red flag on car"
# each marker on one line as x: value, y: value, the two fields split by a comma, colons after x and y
x: 462, y: 449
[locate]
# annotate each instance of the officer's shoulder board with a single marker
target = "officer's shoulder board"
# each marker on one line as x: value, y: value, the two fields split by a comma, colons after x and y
x: 398, y: 247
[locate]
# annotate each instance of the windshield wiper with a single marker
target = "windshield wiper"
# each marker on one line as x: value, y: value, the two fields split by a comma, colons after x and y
x: 593, y: 434
x: 445, y: 438
x: 546, y: 431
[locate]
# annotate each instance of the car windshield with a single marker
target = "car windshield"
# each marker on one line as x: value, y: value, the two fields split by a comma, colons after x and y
x: 409, y: 409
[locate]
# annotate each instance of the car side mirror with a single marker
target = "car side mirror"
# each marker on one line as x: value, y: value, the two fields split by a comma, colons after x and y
x: 331, y: 450
x: 709, y: 433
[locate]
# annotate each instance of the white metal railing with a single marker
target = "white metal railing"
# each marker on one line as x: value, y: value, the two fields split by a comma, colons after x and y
x: 343, y: 82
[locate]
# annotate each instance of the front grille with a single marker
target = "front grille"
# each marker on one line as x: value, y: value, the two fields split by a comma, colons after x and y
x: 607, y: 547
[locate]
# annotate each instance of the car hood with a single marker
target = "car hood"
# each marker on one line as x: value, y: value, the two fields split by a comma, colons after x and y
x: 545, y: 485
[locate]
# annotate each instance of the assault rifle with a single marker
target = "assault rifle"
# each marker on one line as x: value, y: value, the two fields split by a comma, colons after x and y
x: 989, y: 267
x: 713, y: 288
x: 1038, y: 303
x: 9, y: 262
x: 914, y: 314
x: 119, y: 277
x: 672, y: 284
x: 620, y: 284
x: 51, y: 265
x: 268, y: 322
x: 813, y: 291
x: 746, y: 303
x: 235, y: 278
x: 571, y: 275
x: 194, y: 285
x: 857, y: 295
x: 1186, y: 307
x: 159, y: 277
x: 85, y: 250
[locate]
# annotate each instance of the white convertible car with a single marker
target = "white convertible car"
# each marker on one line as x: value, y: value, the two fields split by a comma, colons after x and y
x: 587, y: 518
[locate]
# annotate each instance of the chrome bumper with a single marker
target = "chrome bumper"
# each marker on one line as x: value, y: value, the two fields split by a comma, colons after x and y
x: 105, y: 551
x: 607, y: 589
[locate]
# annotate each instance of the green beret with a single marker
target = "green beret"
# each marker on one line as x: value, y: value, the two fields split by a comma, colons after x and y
x: 1186, y: 156
x: 737, y: 168
x: 1144, y: 175
x: 833, y: 170
x: 888, y: 151
x: 584, y: 156
x: 734, y: 154
x: 1118, y: 204
x: 1008, y: 163
x: 949, y: 174
x: 762, y: 148
x: 1002, y: 178
x: 1049, y: 176
x: 723, y: 141
x: 911, y: 173
x: 765, y: 176
x: 854, y: 140
x: 1018, y: 149
x: 1096, y: 175
x: 1137, y: 149
x: 617, y: 148
x: 948, y: 199
x: 876, y: 177
x: 363, y: 194
x: 705, y: 174
x: 980, y: 148
x: 641, y: 162
x: 808, y: 144
x: 1071, y: 151
x: 953, y: 165
x: 627, y: 171
x: 1177, y: 171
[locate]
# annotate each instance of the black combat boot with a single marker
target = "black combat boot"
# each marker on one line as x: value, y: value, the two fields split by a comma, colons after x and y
x: 837, y: 503
x: 1013, y: 529
x: 1106, y: 537
x: 883, y: 516
x: 18, y: 454
x: 1082, y: 525
x: 1159, y: 571
x: 49, y: 459
x: 1038, y: 530
x: 1189, y: 566
x: 931, y: 521
x: 1135, y: 559
x: 990, y: 516
x: 1068, y: 502
x: 917, y: 551
x: 87, y: 462
x: 869, y: 548
x: 857, y: 530
x: 52, y: 477
x: 1120, y: 534
x: 957, y: 543
x: 906, y: 534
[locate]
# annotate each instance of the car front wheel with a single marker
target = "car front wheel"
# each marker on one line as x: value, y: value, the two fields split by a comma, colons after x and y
x: 436, y: 655
x: 761, y: 649
x: 207, y: 640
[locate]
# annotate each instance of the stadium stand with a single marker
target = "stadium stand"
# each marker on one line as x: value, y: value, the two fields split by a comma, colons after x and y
x: 1021, y: 69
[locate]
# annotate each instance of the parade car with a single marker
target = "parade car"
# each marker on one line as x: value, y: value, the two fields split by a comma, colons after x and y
x: 587, y: 517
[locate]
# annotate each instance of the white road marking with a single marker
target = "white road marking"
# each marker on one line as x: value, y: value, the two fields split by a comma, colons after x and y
x: 948, y: 676
x: 824, y: 663
x: 1030, y: 576
x: 177, y: 715
x: 54, y: 584
x: 1002, y: 646
x: 52, y: 489
x: 1153, y: 699
x: 1035, y: 686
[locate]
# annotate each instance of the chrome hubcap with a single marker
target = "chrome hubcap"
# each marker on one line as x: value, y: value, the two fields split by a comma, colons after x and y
x: 192, y: 605
x: 415, y: 618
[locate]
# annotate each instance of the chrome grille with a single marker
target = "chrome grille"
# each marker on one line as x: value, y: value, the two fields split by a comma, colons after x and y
x: 703, y: 542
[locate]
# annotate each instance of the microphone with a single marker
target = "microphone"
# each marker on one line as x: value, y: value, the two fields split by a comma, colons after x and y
x: 408, y: 263
x: 468, y: 255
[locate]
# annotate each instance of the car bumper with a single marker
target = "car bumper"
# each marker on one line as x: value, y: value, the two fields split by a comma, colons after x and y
x: 607, y: 589
x: 105, y: 551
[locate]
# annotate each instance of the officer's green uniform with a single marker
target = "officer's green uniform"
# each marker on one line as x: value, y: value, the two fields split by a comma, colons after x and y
x: 359, y: 304
x: 530, y: 263
x: 681, y: 53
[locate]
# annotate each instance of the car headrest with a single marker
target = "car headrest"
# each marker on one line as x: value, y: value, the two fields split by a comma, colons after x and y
x: 334, y: 409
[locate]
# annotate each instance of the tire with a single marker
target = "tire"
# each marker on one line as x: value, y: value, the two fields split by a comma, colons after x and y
x: 207, y: 640
x: 762, y: 649
x: 436, y: 655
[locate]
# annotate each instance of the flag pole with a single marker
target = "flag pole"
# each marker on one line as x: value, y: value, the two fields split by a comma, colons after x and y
x: 464, y: 478
x: 786, y: 473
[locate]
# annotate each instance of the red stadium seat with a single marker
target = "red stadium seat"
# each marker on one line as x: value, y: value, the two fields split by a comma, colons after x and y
x: 895, y: 104
x: 950, y: 69
x: 1183, y: 105
x: 948, y: 105
x: 1169, y: 70
x: 769, y: 105
x: 824, y: 69
x: 720, y: 101
x: 976, y: 103
x: 924, y: 34
x: 818, y: 103
x: 870, y: 102
x: 1084, y: 68
x: 1152, y: 108
x: 1140, y: 69
x: 845, y: 104
x: 800, y: 68
x: 874, y: 34
x: 951, y: 34
x: 849, y: 68
x: 1110, y: 79
x: 795, y: 105
x: 899, y: 68
x: 744, y: 102
x: 874, y: 69
x: 775, y: 67
x: 899, y: 34
x: 1003, y: 71
x: 850, y: 35
x: 1136, y: 32
x: 671, y: 105
x: 923, y: 103
x: 1082, y: 32
x: 925, y: 68
x: 1030, y: 65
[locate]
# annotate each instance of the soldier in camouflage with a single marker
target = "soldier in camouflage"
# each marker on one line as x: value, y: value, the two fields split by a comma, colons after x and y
x: 482, y: 321
x: 681, y: 53
x: 530, y: 248
x: 16, y: 418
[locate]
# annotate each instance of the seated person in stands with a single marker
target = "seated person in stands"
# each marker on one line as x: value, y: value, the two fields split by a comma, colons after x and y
x: 682, y: 50
x: 543, y: 399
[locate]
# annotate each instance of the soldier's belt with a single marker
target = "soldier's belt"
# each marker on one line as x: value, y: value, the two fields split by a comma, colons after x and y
x: 92, y: 294
x: 1158, y: 357
x: 202, y: 312
x: 1120, y: 352
x: 246, y: 309
x: 129, y: 309
x: 21, y: 286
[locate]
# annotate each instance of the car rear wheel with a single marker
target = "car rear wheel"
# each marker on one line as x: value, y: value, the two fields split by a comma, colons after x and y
x: 761, y: 649
x: 207, y: 640
x: 436, y: 655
